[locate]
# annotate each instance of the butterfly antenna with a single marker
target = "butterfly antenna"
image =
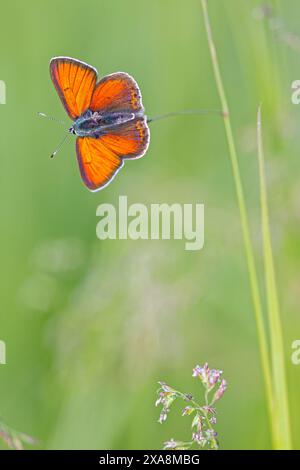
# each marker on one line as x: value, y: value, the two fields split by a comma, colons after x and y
x: 60, y: 145
x: 191, y: 112
x: 51, y: 118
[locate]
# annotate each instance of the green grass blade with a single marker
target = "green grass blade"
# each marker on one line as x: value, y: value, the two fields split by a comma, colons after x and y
x: 281, y: 409
x: 253, y: 278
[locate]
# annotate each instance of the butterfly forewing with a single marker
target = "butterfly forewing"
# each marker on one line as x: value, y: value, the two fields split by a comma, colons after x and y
x: 97, y: 164
x: 74, y: 82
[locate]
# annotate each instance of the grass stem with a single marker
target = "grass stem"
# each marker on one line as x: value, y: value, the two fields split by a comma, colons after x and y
x: 253, y: 278
x: 283, y: 434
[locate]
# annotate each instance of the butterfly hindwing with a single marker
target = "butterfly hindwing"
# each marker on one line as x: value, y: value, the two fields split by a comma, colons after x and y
x: 129, y: 140
x: 74, y: 82
x: 100, y: 159
x: 117, y: 92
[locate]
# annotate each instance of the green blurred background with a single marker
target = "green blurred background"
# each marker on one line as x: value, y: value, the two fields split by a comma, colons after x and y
x: 91, y: 326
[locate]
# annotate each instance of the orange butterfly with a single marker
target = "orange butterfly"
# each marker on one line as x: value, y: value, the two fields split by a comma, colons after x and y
x: 109, y: 119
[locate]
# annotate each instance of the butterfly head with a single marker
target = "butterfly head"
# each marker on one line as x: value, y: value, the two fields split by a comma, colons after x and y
x: 72, y: 130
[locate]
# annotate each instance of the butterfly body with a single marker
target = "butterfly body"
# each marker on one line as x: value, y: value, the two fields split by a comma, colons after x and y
x: 95, y: 124
x: 108, y: 118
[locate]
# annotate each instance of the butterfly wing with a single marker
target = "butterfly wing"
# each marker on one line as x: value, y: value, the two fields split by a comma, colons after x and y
x: 100, y: 159
x: 97, y: 164
x: 74, y: 82
x: 117, y: 92
x: 129, y: 140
